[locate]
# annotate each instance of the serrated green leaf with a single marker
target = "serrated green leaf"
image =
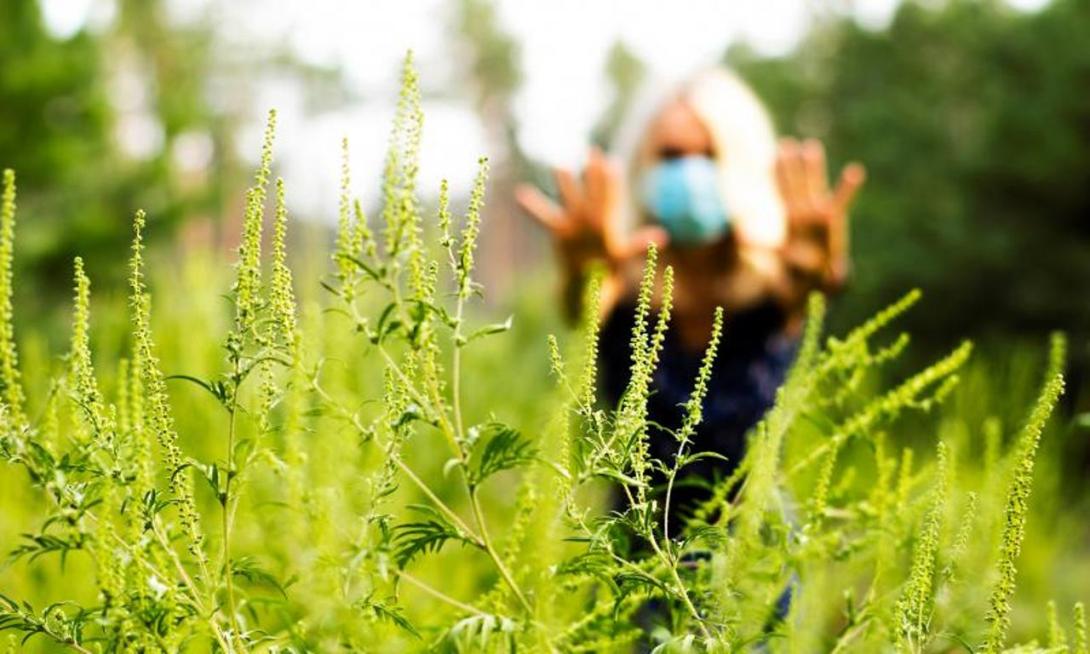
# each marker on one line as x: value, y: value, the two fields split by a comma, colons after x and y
x: 499, y: 448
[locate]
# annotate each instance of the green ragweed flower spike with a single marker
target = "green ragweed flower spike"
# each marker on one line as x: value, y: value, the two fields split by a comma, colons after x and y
x: 1017, y: 506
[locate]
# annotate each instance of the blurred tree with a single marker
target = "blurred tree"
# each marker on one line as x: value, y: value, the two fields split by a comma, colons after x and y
x: 54, y: 131
x: 624, y: 73
x: 973, y: 121
x: 494, y: 54
x: 492, y: 65
x: 196, y: 170
x: 90, y: 124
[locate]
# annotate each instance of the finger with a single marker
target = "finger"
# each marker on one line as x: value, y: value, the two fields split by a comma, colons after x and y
x: 837, y: 266
x: 792, y: 173
x: 613, y: 179
x: 796, y: 175
x: 610, y: 190
x: 781, y: 173
x: 817, y: 180
x: 570, y: 195
x: 851, y: 178
x: 541, y: 208
x: 594, y: 181
x: 837, y: 245
x: 640, y: 240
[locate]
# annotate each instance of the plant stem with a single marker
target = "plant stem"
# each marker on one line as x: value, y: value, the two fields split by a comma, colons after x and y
x: 437, y: 594
x: 424, y: 402
x: 672, y: 567
x: 681, y: 592
x: 456, y: 371
x: 71, y: 644
x: 447, y: 511
x: 404, y: 467
x: 228, y: 514
x: 666, y: 506
x: 459, y: 428
x: 188, y: 581
x: 474, y: 500
x: 849, y: 634
x: 504, y: 572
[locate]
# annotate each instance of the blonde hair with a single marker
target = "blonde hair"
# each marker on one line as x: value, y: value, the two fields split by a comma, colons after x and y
x: 742, y: 133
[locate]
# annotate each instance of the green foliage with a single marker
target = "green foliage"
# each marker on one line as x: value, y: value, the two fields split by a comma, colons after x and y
x: 9, y: 359
x: 65, y: 134
x: 503, y: 449
x: 973, y: 108
x: 413, y: 539
x: 1018, y: 498
x: 914, y: 609
x: 1082, y: 644
x: 358, y: 480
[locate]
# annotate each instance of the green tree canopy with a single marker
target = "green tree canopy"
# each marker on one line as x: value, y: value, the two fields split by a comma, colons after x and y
x: 974, y: 122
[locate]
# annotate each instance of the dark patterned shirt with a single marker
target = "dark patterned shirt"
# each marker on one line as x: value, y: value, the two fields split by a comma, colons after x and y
x: 752, y: 361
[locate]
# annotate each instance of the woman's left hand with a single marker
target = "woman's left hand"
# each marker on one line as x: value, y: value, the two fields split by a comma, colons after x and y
x: 817, y: 216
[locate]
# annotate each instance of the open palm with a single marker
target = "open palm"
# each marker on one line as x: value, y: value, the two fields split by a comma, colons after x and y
x: 817, y: 215
x: 586, y: 224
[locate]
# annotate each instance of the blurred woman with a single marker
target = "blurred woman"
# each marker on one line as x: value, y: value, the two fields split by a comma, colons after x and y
x: 747, y: 223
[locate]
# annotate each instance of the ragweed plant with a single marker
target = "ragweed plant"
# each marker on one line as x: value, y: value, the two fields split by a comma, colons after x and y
x: 348, y: 479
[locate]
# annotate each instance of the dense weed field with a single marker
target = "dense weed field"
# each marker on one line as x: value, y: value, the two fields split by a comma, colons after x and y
x: 360, y: 461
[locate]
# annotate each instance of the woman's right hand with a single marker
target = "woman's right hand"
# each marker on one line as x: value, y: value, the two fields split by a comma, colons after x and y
x: 586, y: 225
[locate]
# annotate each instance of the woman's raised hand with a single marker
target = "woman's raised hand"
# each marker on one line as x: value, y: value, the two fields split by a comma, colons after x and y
x: 817, y: 216
x: 586, y: 226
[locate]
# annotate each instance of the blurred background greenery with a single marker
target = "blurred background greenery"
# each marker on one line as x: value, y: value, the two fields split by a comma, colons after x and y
x: 971, y: 115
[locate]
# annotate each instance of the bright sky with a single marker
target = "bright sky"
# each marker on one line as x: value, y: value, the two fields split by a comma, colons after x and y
x: 564, y: 45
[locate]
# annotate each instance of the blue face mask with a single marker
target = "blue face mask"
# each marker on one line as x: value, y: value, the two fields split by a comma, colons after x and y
x: 683, y: 195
